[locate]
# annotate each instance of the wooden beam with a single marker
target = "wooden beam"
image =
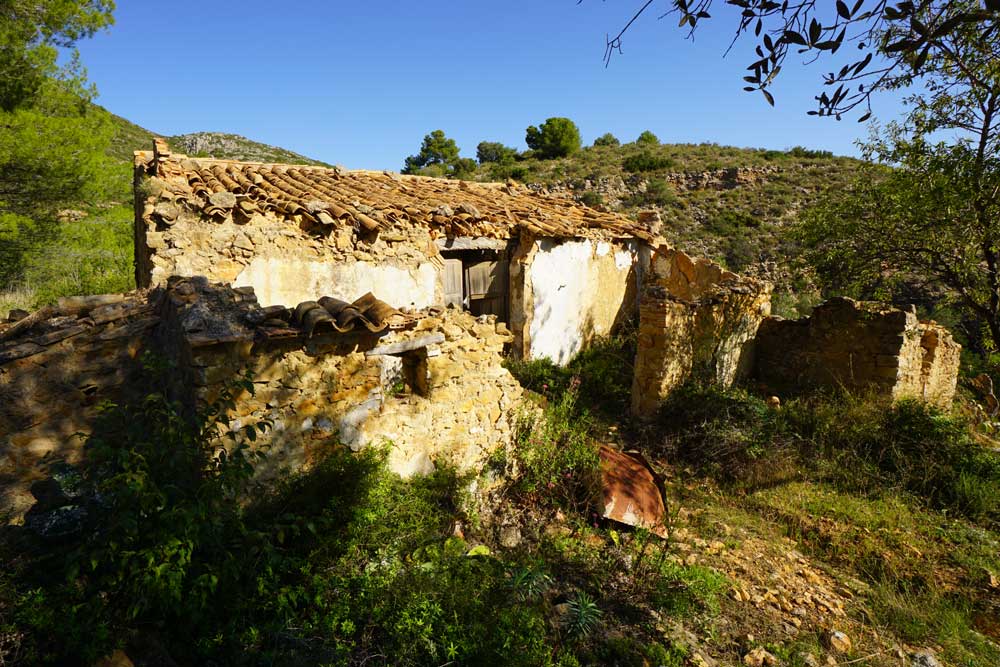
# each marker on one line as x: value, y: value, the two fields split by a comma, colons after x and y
x: 471, y: 243
x: 406, y: 345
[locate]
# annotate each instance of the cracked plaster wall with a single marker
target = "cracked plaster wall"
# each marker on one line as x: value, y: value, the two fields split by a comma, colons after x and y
x: 571, y: 292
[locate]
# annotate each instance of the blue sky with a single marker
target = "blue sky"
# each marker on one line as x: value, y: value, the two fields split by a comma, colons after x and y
x: 360, y: 83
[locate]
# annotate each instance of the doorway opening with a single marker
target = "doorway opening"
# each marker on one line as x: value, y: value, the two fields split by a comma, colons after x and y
x: 478, y: 281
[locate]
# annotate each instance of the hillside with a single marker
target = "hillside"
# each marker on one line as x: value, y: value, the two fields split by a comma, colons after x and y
x: 130, y: 137
x: 733, y: 205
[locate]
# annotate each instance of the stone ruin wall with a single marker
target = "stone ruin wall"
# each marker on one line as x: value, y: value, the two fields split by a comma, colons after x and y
x: 322, y: 391
x: 285, y: 258
x: 858, y: 346
x: 333, y: 390
x: 695, y: 320
x: 51, y: 385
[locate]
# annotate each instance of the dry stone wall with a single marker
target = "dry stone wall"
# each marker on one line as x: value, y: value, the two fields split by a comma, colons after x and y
x: 859, y: 346
x: 695, y: 320
x: 434, y: 393
x: 53, y: 380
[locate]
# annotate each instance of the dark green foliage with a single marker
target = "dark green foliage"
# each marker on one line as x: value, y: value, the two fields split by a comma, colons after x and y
x: 591, y: 199
x: 436, y: 149
x: 801, y: 152
x: 862, y: 443
x: 53, y: 143
x: 495, y: 152
x: 557, y: 137
x: 657, y: 193
x: 30, y: 34
x: 607, y: 139
x: 501, y: 172
x: 168, y: 487
x: 601, y: 373
x: 345, y: 563
x: 464, y: 167
x: 647, y: 138
x: 557, y: 461
x: 646, y: 161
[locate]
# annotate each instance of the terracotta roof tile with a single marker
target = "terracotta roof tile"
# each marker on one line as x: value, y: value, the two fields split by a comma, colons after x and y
x: 371, y: 200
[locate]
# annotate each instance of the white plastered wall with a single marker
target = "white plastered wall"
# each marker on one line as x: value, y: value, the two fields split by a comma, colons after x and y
x: 579, y: 289
x: 288, y: 282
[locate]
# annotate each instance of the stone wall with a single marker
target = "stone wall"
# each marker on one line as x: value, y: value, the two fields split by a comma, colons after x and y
x: 695, y: 320
x: 435, y: 391
x: 84, y: 352
x: 284, y: 259
x: 859, y: 346
x: 434, y: 394
x: 566, y: 293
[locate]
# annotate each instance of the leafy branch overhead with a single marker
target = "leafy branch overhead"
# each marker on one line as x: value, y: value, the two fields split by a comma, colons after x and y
x: 892, y: 41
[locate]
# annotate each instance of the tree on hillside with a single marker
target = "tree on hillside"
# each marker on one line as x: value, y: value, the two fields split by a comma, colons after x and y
x: 495, y: 152
x: 557, y: 137
x: 930, y: 213
x: 647, y: 138
x: 888, y: 40
x: 436, y: 149
x: 607, y: 139
x: 53, y: 141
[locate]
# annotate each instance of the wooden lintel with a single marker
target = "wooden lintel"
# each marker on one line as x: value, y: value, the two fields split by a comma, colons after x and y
x: 406, y: 345
x: 471, y: 243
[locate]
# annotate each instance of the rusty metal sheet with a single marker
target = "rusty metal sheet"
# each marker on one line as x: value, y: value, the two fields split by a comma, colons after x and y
x: 631, y: 491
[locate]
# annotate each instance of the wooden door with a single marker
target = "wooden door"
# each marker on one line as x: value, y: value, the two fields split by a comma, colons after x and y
x: 453, y: 292
x: 486, y: 286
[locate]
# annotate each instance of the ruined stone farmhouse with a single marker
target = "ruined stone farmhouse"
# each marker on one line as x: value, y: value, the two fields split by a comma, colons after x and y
x: 376, y: 309
x: 555, y: 272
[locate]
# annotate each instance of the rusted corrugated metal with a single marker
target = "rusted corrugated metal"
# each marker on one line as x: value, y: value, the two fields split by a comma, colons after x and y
x: 631, y: 491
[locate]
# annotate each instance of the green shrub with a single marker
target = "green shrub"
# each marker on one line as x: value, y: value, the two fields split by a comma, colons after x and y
x: 504, y: 171
x: 658, y: 193
x: 602, y: 371
x: 464, y: 168
x: 646, y: 161
x: 862, y: 443
x: 555, y: 457
x: 800, y: 152
x: 607, y: 139
x: 494, y: 151
x: 591, y: 199
x: 331, y: 566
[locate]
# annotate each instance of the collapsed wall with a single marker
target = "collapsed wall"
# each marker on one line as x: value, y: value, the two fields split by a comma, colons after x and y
x: 567, y: 293
x: 55, y: 373
x: 433, y: 392
x: 428, y: 385
x: 846, y: 344
x: 695, y: 320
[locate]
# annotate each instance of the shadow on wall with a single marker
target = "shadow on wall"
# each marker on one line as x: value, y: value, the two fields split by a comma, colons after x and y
x: 50, y: 400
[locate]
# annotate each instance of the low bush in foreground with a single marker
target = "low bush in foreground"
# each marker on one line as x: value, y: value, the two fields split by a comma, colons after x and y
x: 185, y: 555
x: 863, y: 444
